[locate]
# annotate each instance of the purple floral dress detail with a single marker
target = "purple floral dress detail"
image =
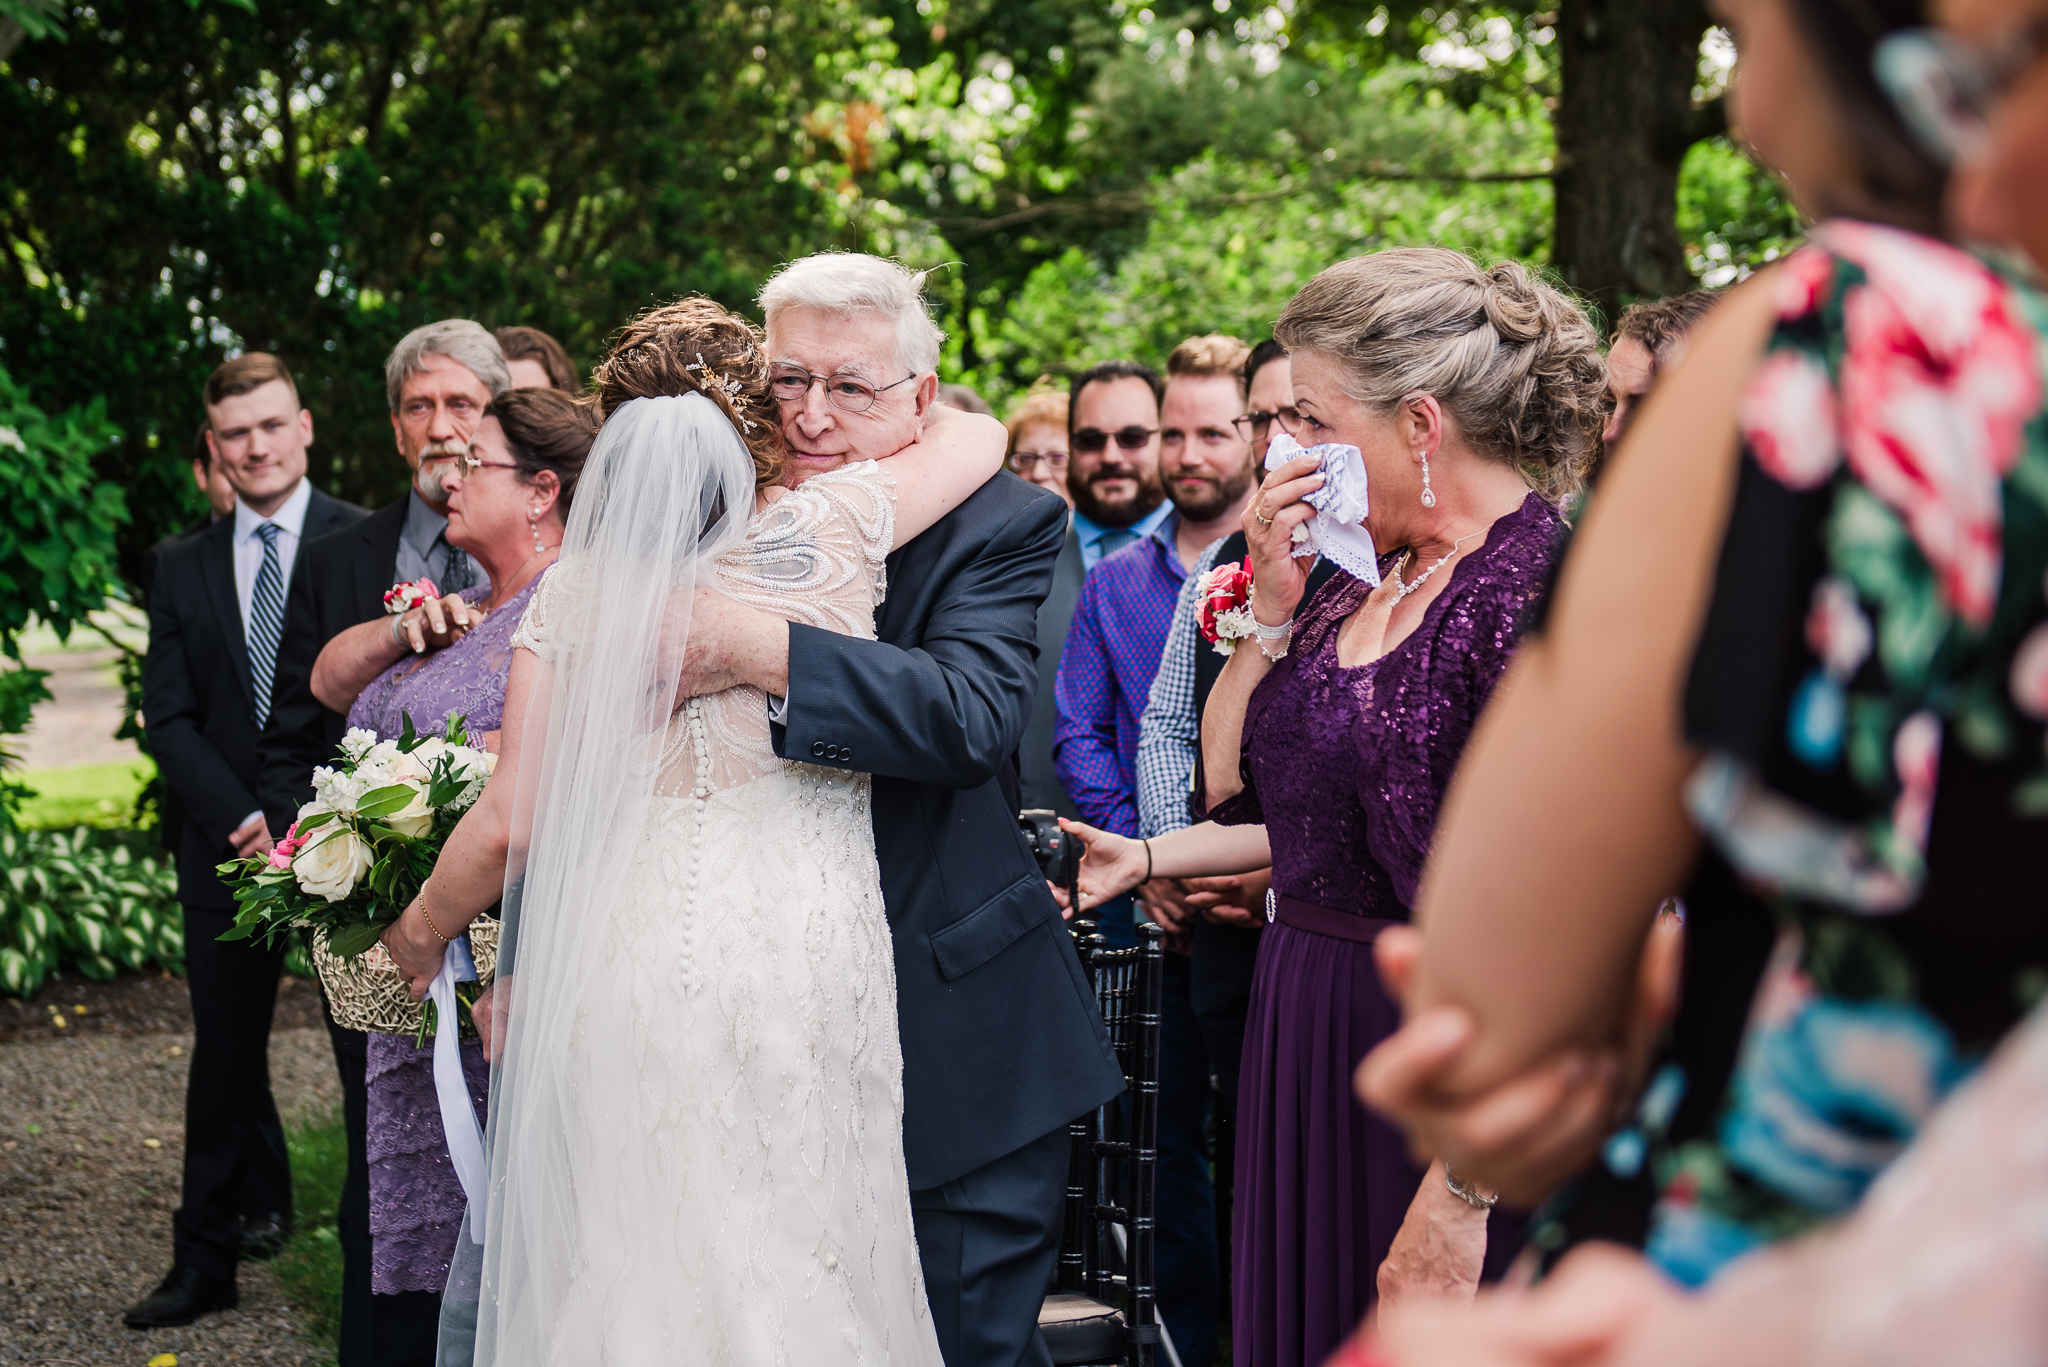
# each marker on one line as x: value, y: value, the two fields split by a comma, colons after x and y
x: 1347, y: 768
x: 416, y: 1203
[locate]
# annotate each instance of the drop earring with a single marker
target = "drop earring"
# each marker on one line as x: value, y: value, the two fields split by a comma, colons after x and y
x: 1428, y: 494
x: 533, y: 525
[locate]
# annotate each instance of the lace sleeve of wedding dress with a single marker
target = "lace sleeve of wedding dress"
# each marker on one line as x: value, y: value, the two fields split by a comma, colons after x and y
x: 533, y: 631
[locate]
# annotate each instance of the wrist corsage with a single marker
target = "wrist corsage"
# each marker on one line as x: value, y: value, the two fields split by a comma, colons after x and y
x: 407, y: 595
x: 1225, y: 616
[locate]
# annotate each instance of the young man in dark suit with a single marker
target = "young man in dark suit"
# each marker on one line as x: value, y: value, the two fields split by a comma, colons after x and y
x: 438, y: 380
x: 216, y: 613
x: 1002, y: 1042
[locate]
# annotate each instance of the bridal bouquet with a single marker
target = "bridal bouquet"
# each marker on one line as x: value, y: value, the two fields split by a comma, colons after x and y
x: 1225, y: 614
x: 360, y: 849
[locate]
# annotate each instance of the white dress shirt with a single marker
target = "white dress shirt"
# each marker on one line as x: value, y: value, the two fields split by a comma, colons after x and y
x: 249, y: 553
x: 249, y: 546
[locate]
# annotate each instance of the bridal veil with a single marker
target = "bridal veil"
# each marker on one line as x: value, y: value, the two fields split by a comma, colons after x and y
x: 667, y: 488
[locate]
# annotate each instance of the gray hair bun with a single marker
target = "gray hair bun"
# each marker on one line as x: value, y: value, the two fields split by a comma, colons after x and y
x: 1512, y: 359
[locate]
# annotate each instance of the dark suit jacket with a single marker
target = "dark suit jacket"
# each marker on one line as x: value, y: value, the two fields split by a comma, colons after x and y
x: 1002, y: 1041
x: 339, y: 581
x: 170, y: 822
x: 196, y: 693
x: 1041, y: 786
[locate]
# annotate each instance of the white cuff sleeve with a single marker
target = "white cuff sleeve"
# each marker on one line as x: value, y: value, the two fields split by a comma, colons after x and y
x: 778, y: 710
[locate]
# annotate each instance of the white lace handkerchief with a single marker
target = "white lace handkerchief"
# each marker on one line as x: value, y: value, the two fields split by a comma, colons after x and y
x: 1338, y: 528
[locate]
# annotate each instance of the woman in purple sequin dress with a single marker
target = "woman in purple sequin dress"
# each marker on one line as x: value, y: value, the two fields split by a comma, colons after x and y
x: 1327, y: 751
x: 507, y: 508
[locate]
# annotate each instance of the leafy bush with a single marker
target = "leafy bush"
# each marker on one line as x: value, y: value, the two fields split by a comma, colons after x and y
x: 91, y: 901
x: 57, y: 526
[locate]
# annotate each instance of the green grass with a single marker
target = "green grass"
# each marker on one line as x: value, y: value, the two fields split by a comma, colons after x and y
x: 90, y: 795
x: 309, y: 1268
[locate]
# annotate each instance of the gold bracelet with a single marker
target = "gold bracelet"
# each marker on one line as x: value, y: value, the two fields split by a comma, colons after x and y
x: 428, y: 919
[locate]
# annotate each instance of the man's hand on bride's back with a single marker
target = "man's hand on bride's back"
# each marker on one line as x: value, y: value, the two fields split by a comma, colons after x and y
x: 729, y: 644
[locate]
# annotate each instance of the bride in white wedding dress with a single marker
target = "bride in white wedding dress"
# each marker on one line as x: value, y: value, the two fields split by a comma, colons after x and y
x: 695, y: 1148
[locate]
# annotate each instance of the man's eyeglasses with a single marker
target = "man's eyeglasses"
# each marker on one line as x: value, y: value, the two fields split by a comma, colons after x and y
x: 1254, y: 426
x: 1090, y: 440
x: 1024, y: 462
x: 1944, y: 86
x: 791, y: 383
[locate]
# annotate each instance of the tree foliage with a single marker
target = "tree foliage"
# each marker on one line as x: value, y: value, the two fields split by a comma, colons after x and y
x: 315, y: 177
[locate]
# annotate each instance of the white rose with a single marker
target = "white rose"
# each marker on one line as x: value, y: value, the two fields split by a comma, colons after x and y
x: 331, y: 865
x: 415, y: 818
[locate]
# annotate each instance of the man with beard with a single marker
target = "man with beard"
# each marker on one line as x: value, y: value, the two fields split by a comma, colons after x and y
x: 1113, y: 649
x: 438, y: 380
x: 1113, y: 483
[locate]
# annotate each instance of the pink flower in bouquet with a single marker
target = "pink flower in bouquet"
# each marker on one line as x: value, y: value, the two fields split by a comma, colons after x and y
x: 281, y: 853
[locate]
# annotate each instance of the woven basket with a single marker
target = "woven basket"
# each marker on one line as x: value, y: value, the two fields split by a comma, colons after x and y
x: 367, y: 993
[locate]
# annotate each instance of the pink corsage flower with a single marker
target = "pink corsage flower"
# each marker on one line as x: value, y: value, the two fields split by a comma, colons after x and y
x: 409, y: 594
x: 1225, y: 614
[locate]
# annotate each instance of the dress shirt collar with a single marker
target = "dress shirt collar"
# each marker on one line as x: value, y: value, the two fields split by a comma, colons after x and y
x: 1091, y: 532
x: 423, y: 526
x: 291, y: 517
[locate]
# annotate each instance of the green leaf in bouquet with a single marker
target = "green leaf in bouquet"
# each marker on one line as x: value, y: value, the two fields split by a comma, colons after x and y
x: 316, y: 821
x: 384, y: 801
x: 408, y: 739
x: 240, y: 930
x: 350, y: 941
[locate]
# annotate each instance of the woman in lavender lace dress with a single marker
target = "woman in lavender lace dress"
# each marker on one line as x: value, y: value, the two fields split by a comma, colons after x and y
x: 509, y: 501
x: 1475, y: 398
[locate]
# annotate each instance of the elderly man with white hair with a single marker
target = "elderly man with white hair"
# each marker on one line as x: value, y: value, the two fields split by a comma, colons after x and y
x: 1002, y: 1044
x: 438, y: 380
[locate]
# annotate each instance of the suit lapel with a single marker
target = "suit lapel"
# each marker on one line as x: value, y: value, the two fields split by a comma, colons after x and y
x: 377, y: 567
x: 217, y: 567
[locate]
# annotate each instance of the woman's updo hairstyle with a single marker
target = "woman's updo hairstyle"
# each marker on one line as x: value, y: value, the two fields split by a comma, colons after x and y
x: 546, y: 429
x: 1513, y: 361
x: 696, y: 346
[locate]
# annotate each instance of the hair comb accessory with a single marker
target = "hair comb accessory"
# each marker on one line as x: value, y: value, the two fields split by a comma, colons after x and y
x: 728, y: 385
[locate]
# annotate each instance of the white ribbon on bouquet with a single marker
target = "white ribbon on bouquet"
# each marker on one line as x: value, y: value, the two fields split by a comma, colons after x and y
x: 458, y: 1113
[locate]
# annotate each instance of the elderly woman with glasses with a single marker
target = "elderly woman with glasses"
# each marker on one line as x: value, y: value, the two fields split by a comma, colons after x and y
x: 508, y: 502
x: 1038, y: 443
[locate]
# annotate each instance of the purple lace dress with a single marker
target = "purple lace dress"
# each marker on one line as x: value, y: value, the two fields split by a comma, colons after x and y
x: 416, y: 1203
x: 1347, y: 768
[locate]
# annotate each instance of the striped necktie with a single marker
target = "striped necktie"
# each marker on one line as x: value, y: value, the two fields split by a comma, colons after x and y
x: 455, y: 572
x: 266, y: 622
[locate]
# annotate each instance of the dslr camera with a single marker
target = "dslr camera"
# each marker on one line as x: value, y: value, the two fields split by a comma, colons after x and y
x: 1058, y: 854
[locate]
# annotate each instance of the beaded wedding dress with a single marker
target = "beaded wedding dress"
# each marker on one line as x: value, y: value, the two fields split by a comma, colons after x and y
x: 723, y: 1123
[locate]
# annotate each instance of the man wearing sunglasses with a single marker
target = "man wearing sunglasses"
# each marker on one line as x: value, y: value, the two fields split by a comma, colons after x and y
x: 1112, y: 479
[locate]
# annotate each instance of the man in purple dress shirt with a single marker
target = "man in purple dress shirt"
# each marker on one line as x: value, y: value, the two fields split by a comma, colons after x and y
x: 1105, y: 675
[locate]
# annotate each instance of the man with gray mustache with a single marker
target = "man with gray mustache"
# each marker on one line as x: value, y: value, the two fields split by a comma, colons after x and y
x: 439, y: 378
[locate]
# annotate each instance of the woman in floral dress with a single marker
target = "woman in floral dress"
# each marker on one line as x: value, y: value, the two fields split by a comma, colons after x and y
x: 1796, y: 670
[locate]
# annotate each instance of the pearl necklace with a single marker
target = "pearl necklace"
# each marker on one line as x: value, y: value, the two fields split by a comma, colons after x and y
x: 1402, y: 590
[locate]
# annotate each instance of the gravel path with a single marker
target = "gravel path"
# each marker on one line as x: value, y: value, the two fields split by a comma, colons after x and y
x: 90, y: 1146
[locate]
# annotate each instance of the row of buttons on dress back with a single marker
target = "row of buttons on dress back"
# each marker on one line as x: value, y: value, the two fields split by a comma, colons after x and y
x: 820, y: 750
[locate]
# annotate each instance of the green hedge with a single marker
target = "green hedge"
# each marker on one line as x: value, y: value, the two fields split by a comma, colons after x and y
x: 89, y: 901
x: 95, y: 902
